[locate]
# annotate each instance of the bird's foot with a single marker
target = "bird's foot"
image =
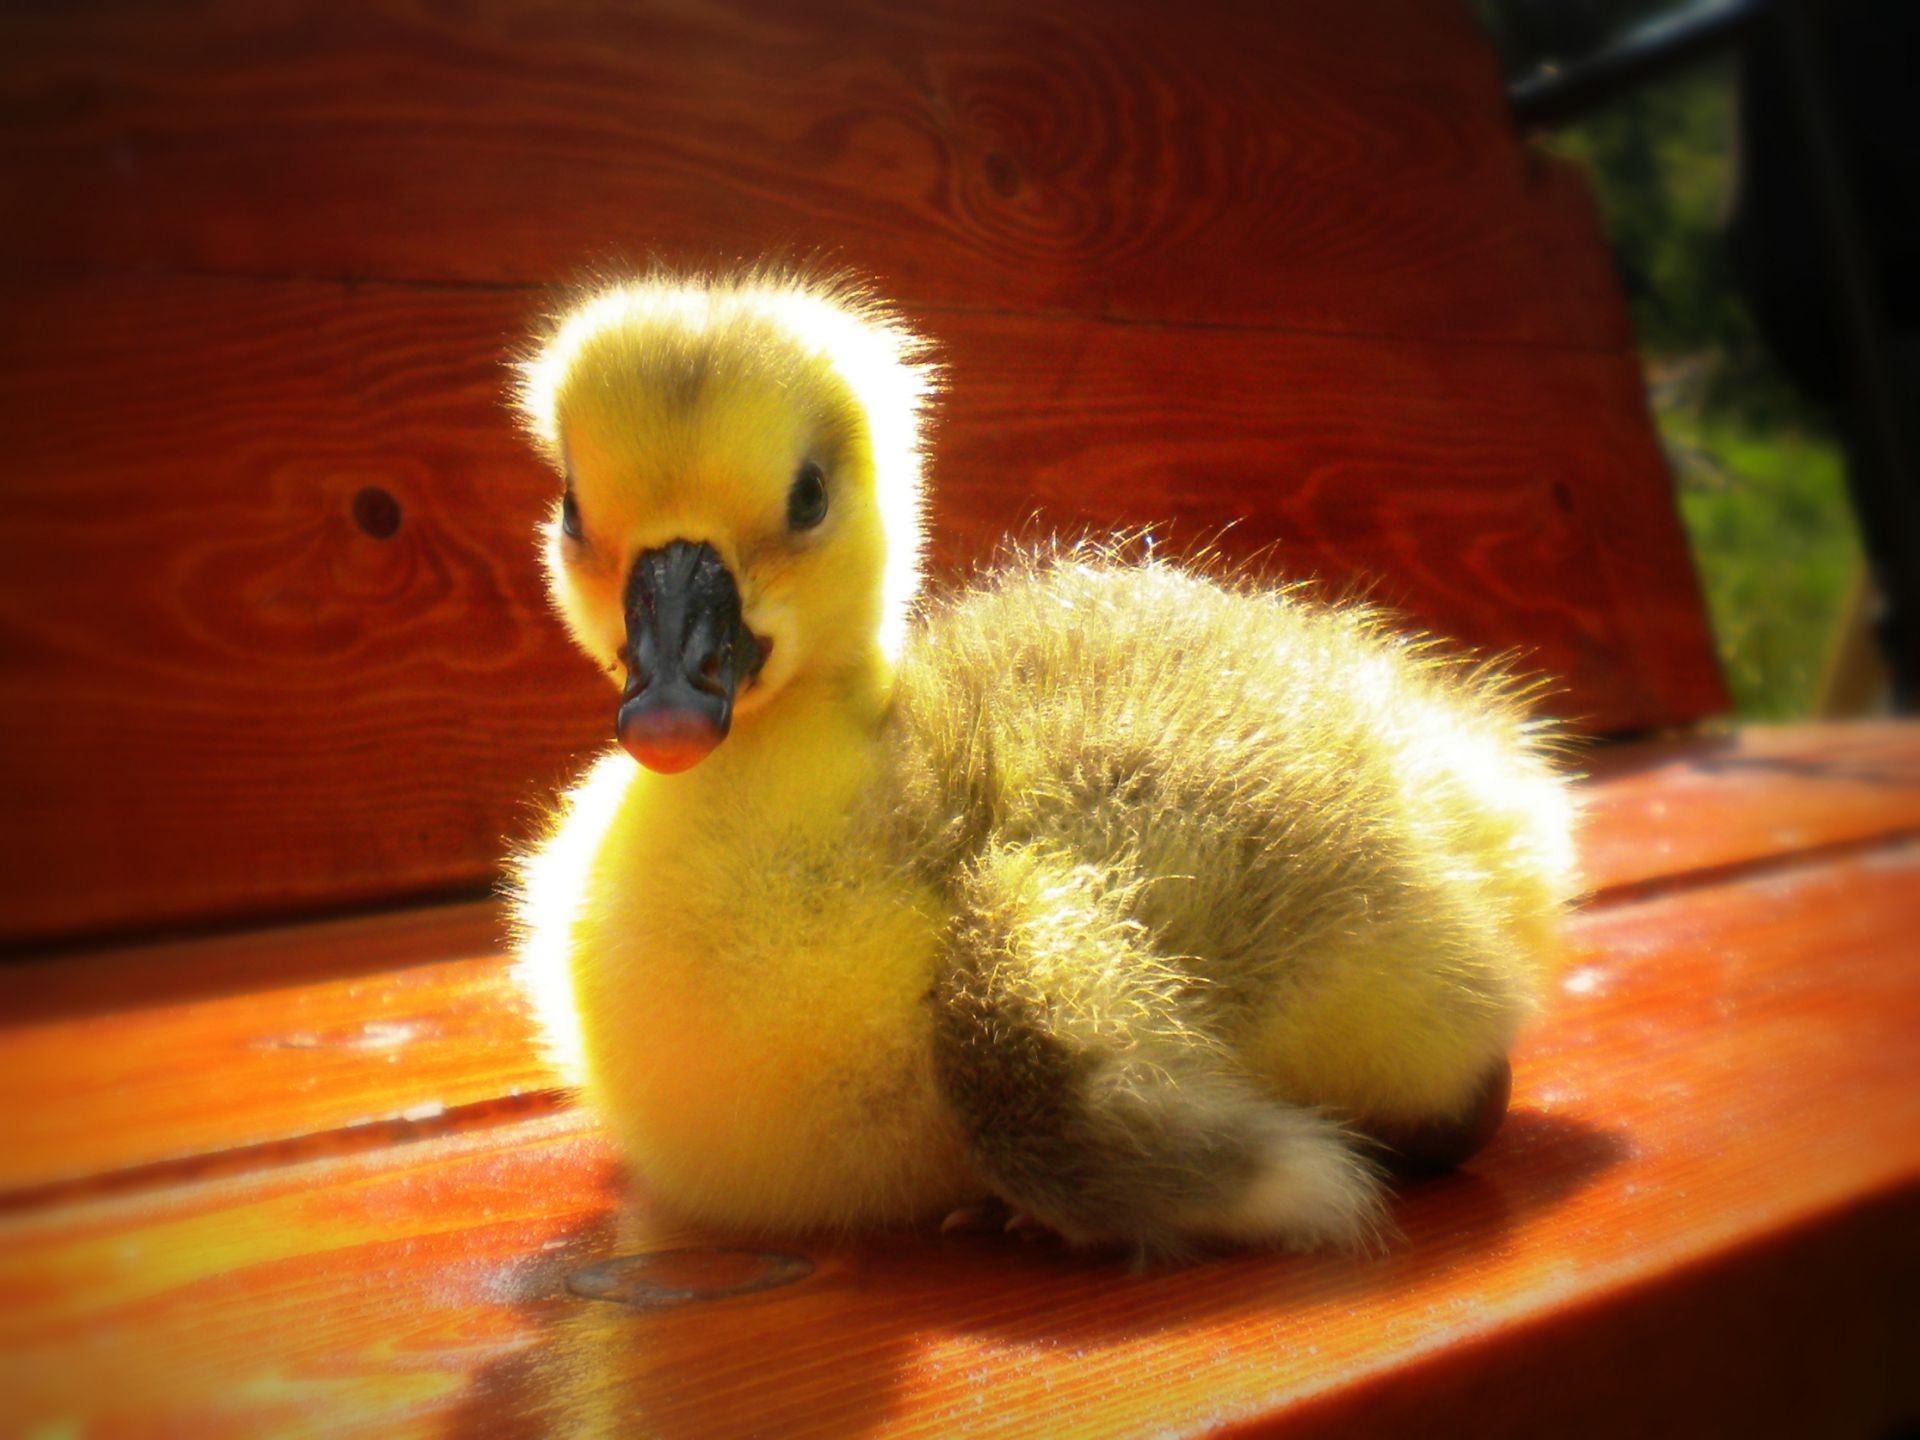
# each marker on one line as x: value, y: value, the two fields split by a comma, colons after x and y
x: 973, y: 1219
x: 1430, y: 1147
x: 992, y: 1215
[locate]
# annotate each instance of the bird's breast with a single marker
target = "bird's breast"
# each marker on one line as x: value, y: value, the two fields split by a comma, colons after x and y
x: 753, y: 995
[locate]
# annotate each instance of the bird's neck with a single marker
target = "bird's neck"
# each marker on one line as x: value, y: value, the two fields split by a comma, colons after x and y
x: 808, y: 749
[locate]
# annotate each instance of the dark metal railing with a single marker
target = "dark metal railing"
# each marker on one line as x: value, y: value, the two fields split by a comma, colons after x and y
x: 1879, y: 418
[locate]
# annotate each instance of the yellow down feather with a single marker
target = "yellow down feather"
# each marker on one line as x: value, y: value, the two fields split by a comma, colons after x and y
x: 1124, y: 893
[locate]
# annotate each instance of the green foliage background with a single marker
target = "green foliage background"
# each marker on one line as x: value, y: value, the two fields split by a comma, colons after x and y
x: 1759, y: 474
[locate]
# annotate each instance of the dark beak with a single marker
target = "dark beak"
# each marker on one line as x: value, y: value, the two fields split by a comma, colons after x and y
x: 688, y: 653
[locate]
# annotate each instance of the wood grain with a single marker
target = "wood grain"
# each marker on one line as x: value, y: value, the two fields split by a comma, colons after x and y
x: 223, y: 692
x: 177, y: 1081
x: 1507, y: 500
x: 1710, y: 1130
x: 218, y: 693
x: 117, y: 1062
x: 243, y: 964
x: 1346, y: 169
x: 1658, y: 811
x: 271, y: 640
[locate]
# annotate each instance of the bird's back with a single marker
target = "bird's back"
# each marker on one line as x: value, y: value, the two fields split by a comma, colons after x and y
x: 1309, y: 813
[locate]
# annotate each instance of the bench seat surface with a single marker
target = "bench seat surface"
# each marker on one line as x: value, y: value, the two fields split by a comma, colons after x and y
x: 318, y: 1179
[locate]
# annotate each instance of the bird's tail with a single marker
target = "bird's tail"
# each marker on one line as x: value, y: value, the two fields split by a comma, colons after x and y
x: 1091, y: 1100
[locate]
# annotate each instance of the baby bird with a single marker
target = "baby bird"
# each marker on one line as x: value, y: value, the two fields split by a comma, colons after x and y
x: 1160, y: 909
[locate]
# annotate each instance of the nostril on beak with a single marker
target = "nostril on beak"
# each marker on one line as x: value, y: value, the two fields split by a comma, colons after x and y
x: 639, y: 674
x: 707, y: 675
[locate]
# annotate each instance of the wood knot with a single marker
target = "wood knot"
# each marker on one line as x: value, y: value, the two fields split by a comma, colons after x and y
x: 1003, y: 176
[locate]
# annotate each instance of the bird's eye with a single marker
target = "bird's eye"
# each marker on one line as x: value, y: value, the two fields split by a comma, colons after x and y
x: 807, y: 501
x: 570, y: 516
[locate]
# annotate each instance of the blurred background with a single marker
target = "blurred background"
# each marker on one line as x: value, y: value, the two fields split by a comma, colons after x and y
x: 1759, y: 175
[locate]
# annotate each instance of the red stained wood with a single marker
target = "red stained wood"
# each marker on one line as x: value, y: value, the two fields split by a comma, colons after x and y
x: 246, y: 963
x: 137, y: 1086
x: 1662, y: 810
x: 224, y: 689
x: 1717, y: 1125
x: 271, y: 640
x: 120, y: 1060
x: 221, y: 695
x: 1345, y: 169
x: 1508, y: 500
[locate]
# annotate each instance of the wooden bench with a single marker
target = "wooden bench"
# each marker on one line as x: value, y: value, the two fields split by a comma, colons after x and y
x: 278, y: 1154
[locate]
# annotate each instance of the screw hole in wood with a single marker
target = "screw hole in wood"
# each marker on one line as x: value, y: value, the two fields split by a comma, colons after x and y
x: 376, y: 512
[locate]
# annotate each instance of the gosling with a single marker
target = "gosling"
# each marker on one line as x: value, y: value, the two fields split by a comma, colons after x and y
x: 1157, y: 908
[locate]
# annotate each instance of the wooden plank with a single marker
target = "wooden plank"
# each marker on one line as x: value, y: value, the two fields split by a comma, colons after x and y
x: 220, y: 693
x: 1660, y: 810
x: 175, y: 1263
x: 129, y: 1058
x: 150, y: 974
x: 1332, y: 169
x: 415, y: 1045
x: 125, y: 1059
x: 1709, y: 1127
x: 223, y: 692
x: 1510, y: 501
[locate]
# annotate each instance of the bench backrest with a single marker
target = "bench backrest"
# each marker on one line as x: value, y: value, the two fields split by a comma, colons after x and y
x: 271, y: 633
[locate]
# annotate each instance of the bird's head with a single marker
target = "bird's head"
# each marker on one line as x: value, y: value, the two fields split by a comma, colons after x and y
x: 739, y: 513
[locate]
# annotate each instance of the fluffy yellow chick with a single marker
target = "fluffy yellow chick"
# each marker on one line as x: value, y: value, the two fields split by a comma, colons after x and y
x: 1155, y: 907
